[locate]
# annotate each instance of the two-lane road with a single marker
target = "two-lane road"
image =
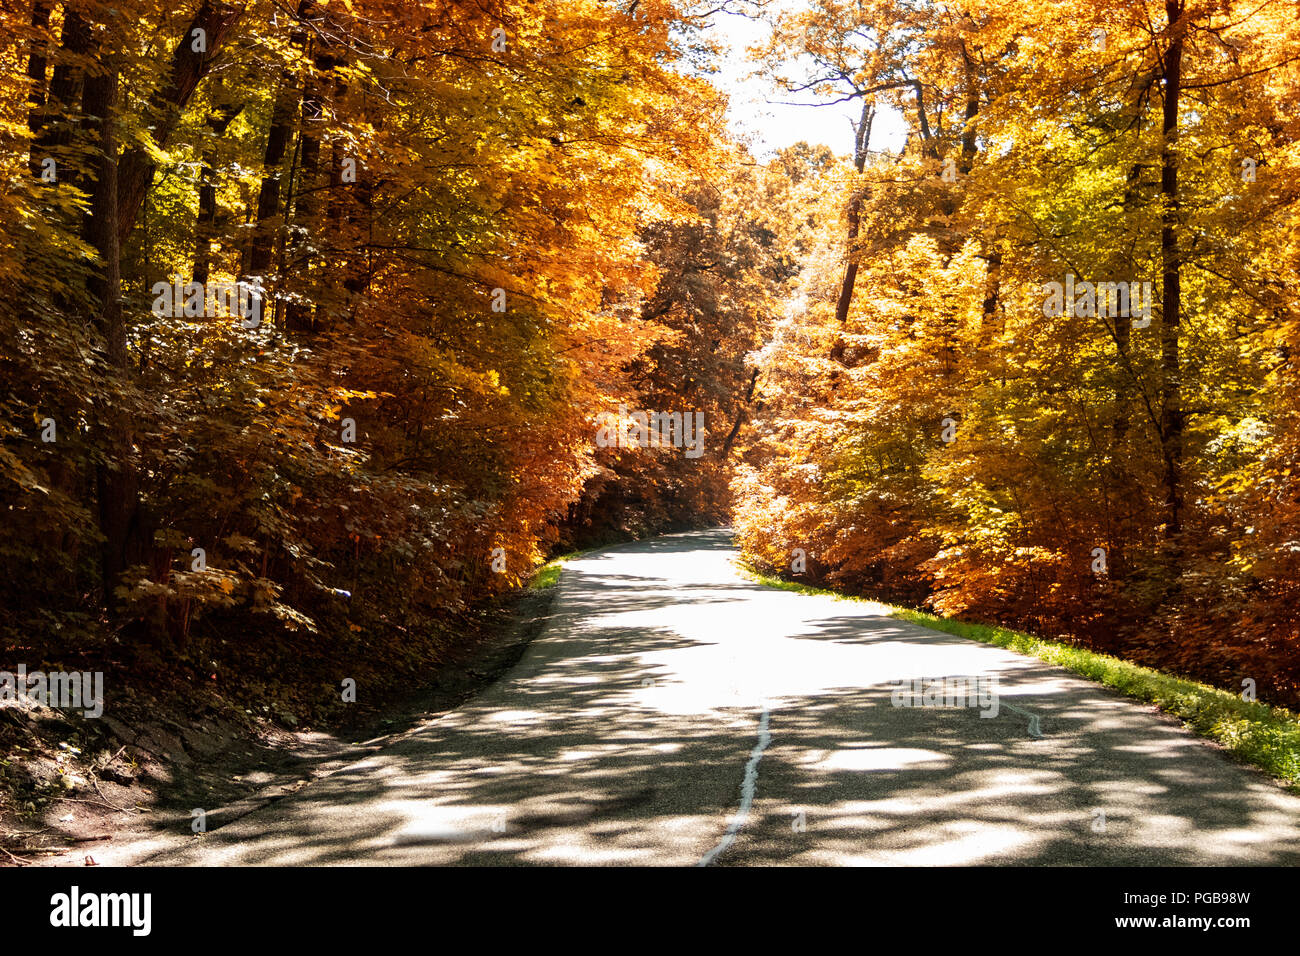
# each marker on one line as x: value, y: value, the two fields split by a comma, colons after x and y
x: 674, y: 713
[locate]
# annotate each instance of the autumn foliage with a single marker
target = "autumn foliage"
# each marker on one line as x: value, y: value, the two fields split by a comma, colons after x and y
x: 475, y: 227
x: 452, y: 209
x: 942, y: 436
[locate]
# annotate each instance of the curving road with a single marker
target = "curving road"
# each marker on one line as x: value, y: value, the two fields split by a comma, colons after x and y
x: 674, y: 713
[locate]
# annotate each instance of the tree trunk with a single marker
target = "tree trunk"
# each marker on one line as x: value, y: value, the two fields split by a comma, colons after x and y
x: 1124, y: 485
x: 863, y: 140
x: 302, y: 316
x: 116, y: 478
x: 218, y: 121
x: 741, y: 415
x: 36, y: 64
x: 268, y: 197
x: 968, y: 143
x: 1171, y: 399
x: 217, y: 20
x: 261, y: 249
x: 992, y: 291
x: 927, y: 142
x: 52, y: 125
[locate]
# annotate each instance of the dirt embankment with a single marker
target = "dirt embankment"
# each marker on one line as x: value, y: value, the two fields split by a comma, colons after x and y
x: 70, y: 785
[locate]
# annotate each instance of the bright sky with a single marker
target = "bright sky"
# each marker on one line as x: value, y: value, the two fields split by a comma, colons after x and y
x: 771, y: 125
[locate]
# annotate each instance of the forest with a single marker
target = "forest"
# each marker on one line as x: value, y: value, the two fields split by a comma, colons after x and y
x: 325, y: 324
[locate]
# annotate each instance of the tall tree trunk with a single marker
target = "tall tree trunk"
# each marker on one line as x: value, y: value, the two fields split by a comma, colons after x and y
x: 302, y: 316
x: 36, y: 64
x: 1124, y: 490
x: 927, y: 141
x: 261, y: 249
x: 992, y: 290
x: 53, y: 124
x: 189, y: 65
x: 860, y: 146
x: 968, y: 143
x: 741, y: 414
x: 116, y: 477
x: 205, y: 224
x: 992, y: 255
x: 1171, y: 399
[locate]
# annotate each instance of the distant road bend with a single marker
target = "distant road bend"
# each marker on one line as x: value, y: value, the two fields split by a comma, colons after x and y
x: 674, y: 713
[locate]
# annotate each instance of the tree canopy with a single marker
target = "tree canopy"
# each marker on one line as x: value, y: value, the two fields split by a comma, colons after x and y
x: 311, y: 311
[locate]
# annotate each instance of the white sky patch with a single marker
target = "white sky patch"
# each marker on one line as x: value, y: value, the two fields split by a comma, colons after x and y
x: 758, y: 111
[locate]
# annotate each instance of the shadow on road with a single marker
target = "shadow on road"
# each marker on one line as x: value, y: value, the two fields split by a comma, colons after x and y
x: 622, y: 735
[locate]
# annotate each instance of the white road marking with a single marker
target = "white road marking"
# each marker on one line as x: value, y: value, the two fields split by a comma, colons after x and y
x: 1035, y: 729
x: 746, y: 791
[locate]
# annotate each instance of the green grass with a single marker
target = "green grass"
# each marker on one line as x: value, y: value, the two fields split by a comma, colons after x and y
x: 548, y: 575
x: 1256, y: 733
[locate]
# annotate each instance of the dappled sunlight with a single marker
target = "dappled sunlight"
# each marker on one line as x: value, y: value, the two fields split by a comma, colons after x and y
x: 872, y: 758
x: 623, y: 735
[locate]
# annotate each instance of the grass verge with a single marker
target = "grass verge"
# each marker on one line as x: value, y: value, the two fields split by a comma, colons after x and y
x: 1256, y: 733
x: 548, y: 575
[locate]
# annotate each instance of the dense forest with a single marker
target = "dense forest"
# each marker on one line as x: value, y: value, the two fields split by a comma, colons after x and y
x: 312, y: 312
x: 1041, y: 368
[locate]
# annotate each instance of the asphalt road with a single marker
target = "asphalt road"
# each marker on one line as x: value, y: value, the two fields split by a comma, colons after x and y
x: 674, y: 713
